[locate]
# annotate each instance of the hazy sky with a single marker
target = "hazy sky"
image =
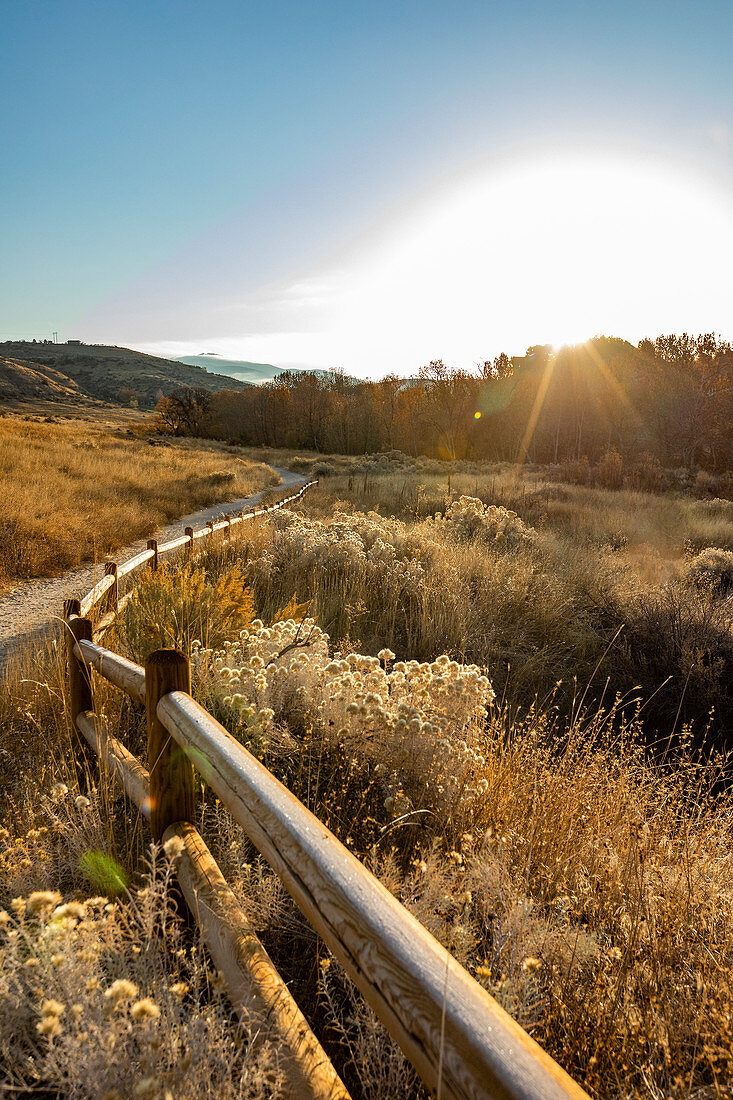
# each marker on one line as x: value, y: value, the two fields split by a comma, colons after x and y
x: 365, y: 185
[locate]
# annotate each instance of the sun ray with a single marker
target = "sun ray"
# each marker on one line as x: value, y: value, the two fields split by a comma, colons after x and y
x: 526, y: 440
x: 614, y: 383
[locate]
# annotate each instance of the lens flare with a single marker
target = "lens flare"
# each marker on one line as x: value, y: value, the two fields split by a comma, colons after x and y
x: 477, y: 415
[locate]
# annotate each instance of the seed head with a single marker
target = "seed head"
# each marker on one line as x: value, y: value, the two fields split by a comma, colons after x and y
x: 146, y: 1009
x: 121, y: 990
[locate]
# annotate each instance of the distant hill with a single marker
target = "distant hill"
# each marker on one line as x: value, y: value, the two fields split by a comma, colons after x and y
x: 253, y: 373
x: 22, y: 381
x: 113, y: 374
x: 243, y: 371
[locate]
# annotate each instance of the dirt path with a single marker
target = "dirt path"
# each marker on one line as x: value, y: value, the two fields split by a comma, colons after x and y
x: 27, y: 610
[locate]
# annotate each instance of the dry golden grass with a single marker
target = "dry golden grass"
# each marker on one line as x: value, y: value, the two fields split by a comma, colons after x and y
x: 74, y: 491
x: 584, y: 883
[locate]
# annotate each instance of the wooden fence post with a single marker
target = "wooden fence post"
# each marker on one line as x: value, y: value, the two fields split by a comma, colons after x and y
x: 153, y: 545
x: 189, y: 549
x: 71, y: 607
x: 112, y: 600
x: 80, y: 687
x: 79, y: 683
x: 210, y: 525
x: 172, y: 780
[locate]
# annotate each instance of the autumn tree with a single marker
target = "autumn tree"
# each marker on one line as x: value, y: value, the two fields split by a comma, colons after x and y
x: 181, y: 411
x: 449, y: 397
x: 689, y: 390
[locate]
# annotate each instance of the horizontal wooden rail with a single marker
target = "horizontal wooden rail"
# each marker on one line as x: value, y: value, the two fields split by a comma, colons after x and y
x: 174, y: 544
x: 118, y: 670
x: 126, y: 768
x: 461, y: 1042
x: 92, y: 598
x: 135, y: 563
x: 252, y: 981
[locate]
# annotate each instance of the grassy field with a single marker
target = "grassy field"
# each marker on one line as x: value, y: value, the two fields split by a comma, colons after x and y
x: 604, y: 592
x: 464, y: 712
x: 75, y: 490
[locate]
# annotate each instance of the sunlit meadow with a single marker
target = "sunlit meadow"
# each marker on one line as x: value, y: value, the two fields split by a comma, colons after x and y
x: 436, y: 677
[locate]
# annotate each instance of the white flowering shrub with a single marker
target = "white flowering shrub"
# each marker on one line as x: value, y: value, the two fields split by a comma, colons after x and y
x: 383, y: 551
x: 417, y: 722
x: 469, y: 518
x: 712, y: 568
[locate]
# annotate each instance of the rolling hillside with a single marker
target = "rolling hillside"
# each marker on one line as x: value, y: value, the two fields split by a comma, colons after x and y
x: 21, y: 381
x: 113, y: 374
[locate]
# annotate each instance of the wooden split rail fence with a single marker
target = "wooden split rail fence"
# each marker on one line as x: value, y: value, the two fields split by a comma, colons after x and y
x: 459, y: 1040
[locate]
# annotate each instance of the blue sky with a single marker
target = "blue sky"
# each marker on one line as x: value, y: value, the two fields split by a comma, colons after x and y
x: 179, y: 174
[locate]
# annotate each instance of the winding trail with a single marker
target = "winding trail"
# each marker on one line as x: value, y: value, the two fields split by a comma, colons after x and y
x: 27, y: 610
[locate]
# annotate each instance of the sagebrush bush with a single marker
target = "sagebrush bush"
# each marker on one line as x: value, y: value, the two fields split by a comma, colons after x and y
x: 711, y: 569
x: 426, y: 718
x: 469, y: 517
x: 591, y: 595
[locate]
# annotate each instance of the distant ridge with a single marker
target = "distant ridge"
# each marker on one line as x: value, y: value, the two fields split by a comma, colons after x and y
x: 253, y: 373
x: 239, y: 369
x: 117, y: 375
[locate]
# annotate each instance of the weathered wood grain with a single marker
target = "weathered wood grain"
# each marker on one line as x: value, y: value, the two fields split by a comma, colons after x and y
x: 118, y: 670
x: 79, y: 686
x: 255, y: 988
x: 134, y: 563
x: 77, y: 630
x: 457, y: 1037
x: 174, y: 544
x: 172, y: 778
x: 94, y: 595
x: 153, y: 546
x: 113, y: 756
x: 110, y: 601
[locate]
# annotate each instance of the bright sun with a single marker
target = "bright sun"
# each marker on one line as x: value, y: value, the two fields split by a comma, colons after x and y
x: 549, y: 251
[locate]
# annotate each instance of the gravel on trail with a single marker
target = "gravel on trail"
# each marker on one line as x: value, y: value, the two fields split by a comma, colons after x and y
x: 28, y: 609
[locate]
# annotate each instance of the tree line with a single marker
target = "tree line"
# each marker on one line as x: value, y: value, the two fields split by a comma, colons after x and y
x: 669, y: 400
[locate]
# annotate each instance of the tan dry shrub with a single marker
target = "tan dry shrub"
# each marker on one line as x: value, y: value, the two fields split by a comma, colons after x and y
x: 711, y: 569
x: 610, y: 470
x: 173, y: 607
x: 118, y: 998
